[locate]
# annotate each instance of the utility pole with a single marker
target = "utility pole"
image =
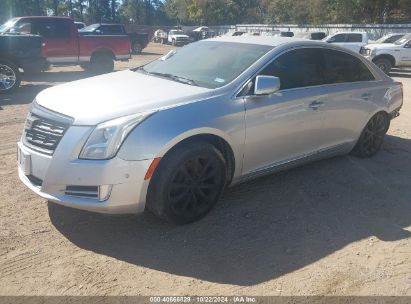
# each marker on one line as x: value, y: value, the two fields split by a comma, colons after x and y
x: 55, y: 7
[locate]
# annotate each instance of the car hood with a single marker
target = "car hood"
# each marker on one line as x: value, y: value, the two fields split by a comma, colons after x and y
x: 101, y: 98
x: 382, y: 46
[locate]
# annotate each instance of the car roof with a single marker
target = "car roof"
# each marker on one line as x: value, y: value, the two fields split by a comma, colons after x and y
x: 43, y: 17
x: 263, y: 40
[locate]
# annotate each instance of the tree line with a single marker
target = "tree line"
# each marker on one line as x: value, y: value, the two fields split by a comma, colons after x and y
x: 215, y: 12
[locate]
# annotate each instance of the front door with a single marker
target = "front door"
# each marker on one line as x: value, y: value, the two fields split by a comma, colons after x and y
x: 61, y: 45
x: 288, y: 124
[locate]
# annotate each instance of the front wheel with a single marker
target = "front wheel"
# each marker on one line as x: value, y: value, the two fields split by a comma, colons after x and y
x: 384, y: 64
x: 10, y: 77
x: 372, y: 136
x: 187, y: 183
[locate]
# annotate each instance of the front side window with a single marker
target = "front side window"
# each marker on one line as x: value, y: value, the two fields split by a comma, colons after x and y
x: 110, y: 29
x: 209, y: 64
x: 51, y: 28
x: 297, y: 68
x: 341, y: 67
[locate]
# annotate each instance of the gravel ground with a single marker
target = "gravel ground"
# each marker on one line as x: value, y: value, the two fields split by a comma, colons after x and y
x: 336, y: 227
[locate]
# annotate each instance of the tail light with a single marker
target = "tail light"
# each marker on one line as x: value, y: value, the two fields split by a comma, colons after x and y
x: 402, y: 89
x: 43, y: 49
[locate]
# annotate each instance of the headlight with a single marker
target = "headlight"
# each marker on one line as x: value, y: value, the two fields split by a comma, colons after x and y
x: 107, y: 137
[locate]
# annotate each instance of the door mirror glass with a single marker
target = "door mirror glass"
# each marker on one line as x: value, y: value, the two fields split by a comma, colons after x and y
x: 266, y: 85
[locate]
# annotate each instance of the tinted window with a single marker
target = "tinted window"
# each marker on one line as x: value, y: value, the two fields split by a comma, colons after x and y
x: 51, y: 28
x: 298, y: 68
x: 342, y: 67
x: 354, y: 38
x: 110, y: 29
x: 337, y: 38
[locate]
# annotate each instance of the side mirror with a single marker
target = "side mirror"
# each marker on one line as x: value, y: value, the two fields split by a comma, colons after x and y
x: 98, y: 32
x: 408, y: 45
x: 266, y: 85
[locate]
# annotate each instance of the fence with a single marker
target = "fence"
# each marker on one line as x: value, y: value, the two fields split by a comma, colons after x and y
x: 374, y: 30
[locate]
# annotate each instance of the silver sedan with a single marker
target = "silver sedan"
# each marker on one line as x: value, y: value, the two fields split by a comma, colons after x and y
x: 171, y: 135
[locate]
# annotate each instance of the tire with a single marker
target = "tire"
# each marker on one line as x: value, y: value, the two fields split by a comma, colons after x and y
x: 10, y: 76
x: 372, y: 136
x: 384, y: 64
x: 136, y: 48
x: 187, y: 183
x: 102, y: 63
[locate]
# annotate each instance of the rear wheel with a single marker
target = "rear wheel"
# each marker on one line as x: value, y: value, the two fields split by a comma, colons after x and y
x: 384, y: 64
x: 137, y: 48
x: 101, y: 63
x: 187, y: 183
x: 372, y: 136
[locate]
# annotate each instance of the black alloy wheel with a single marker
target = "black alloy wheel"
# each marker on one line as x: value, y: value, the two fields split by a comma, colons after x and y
x: 187, y: 183
x: 372, y: 137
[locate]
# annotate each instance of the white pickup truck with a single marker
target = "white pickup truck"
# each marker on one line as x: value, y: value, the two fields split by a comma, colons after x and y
x: 177, y: 37
x: 350, y: 40
x: 389, y: 55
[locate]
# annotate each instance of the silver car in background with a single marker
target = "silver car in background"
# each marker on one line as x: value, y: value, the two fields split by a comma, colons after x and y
x: 171, y: 135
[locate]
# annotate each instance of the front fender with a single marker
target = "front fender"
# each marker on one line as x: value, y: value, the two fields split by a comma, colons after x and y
x: 162, y: 131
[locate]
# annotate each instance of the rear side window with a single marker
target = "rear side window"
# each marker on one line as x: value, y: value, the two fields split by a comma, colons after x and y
x: 53, y: 28
x: 354, y: 38
x: 341, y: 67
x: 338, y: 38
x: 297, y: 68
x: 110, y: 29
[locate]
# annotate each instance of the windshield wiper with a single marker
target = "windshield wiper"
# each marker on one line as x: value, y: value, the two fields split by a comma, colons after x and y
x: 173, y: 77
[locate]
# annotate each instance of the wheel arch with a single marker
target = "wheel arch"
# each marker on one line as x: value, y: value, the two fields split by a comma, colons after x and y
x: 218, y: 140
x: 103, y: 50
x: 389, y: 57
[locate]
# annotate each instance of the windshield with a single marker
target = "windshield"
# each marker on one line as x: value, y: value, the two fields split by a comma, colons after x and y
x: 177, y: 32
x: 382, y: 39
x: 90, y: 28
x: 401, y: 41
x: 8, y: 25
x: 209, y: 64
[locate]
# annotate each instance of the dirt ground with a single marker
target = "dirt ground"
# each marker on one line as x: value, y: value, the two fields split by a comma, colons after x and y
x: 336, y: 227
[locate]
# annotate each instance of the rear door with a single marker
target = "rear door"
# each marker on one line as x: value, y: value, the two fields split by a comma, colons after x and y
x: 61, y: 45
x: 351, y: 90
x: 354, y: 42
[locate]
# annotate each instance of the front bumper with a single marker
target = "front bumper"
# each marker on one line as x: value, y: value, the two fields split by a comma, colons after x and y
x: 49, y: 177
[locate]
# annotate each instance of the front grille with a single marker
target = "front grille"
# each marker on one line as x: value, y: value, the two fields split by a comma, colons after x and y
x: 43, y: 134
x: 82, y: 191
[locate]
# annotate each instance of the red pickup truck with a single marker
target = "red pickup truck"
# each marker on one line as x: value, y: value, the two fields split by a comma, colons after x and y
x: 63, y: 45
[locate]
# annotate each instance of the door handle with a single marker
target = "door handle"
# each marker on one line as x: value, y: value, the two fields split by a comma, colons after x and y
x: 366, y: 96
x: 316, y: 104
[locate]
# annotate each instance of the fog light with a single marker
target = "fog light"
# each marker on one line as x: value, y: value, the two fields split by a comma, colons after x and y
x: 104, y: 192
